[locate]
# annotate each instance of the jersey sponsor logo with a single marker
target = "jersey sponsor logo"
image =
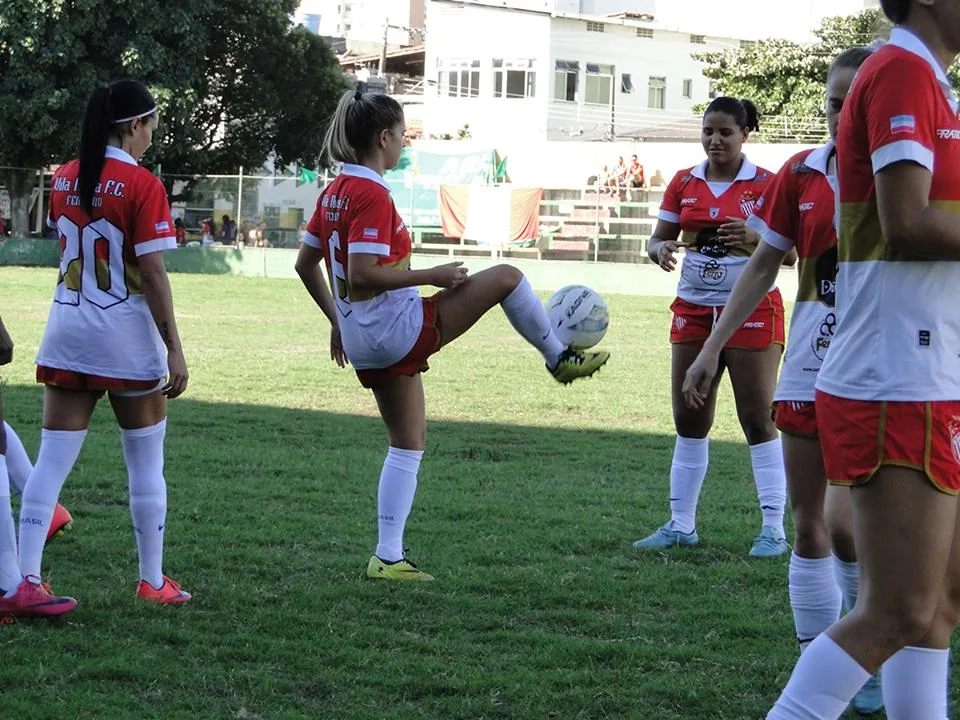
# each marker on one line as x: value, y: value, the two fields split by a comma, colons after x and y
x: 948, y: 134
x: 371, y: 234
x: 760, y: 325
x: 713, y: 273
x: 689, y: 201
x: 804, y: 207
x: 162, y: 226
x: 709, y: 243
x: 823, y: 335
x: 714, y: 213
x: 903, y: 124
x: 825, y: 272
x: 954, y: 427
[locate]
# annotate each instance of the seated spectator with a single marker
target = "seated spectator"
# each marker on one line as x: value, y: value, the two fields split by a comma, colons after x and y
x: 637, y: 179
x: 180, y: 232
x: 620, y: 173
x: 657, y: 179
x: 228, y: 231
x: 207, y: 232
x: 3, y: 226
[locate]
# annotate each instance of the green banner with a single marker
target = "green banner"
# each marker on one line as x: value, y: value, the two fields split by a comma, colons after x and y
x: 416, y: 181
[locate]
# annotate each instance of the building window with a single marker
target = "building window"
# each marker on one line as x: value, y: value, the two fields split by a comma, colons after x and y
x: 687, y: 89
x: 566, y: 80
x: 645, y: 33
x: 626, y: 83
x: 459, y: 78
x: 698, y: 39
x: 346, y: 28
x: 599, y: 86
x: 744, y: 44
x: 657, y: 93
x: 514, y: 78
x: 594, y: 26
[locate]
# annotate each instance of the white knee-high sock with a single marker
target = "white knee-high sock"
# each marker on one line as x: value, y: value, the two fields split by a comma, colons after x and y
x: 848, y: 578
x: 143, y: 453
x: 398, y: 485
x: 914, y: 684
x: 9, y: 569
x: 771, y: 479
x: 814, y: 596
x: 19, y: 466
x: 529, y: 318
x: 58, y: 452
x: 823, y: 683
x: 687, y: 471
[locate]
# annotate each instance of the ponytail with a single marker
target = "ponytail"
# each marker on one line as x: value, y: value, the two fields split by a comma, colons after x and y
x: 357, y: 121
x: 898, y: 11
x: 97, y: 126
x: 109, y: 111
x: 744, y: 112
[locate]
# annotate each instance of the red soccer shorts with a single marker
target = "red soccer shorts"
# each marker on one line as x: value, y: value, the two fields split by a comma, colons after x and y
x: 796, y: 418
x: 859, y: 437
x: 82, y: 381
x: 692, y: 324
x: 415, y: 361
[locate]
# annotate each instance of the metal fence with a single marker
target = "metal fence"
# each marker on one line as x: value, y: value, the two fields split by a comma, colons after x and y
x: 583, y: 224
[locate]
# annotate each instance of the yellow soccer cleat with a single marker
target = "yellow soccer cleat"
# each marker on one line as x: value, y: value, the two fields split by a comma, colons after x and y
x: 399, y: 570
x: 575, y: 364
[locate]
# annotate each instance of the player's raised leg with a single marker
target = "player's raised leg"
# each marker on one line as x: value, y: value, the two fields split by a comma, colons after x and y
x: 461, y: 307
x: 690, y: 455
x: 402, y: 407
x: 143, y: 426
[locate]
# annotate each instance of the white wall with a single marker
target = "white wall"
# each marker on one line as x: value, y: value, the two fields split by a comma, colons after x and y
x: 479, y: 33
x: 569, y: 164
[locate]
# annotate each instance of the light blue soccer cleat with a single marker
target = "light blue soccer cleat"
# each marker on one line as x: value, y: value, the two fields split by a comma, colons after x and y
x: 869, y: 700
x: 769, y: 543
x: 667, y: 537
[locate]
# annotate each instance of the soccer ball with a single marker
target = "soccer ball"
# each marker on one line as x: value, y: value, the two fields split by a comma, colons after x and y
x: 578, y: 316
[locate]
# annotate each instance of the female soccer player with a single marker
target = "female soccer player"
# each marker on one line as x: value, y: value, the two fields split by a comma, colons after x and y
x: 797, y: 214
x: 709, y: 204
x: 888, y: 394
x: 379, y: 321
x: 111, y: 329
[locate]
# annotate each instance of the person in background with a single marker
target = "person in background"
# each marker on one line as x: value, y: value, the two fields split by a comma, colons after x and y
x: 709, y: 204
x: 657, y: 180
x: 621, y: 173
x: 635, y: 174
x: 180, y: 232
x: 228, y: 231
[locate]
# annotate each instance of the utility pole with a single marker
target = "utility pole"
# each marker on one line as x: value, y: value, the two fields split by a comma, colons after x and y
x: 383, y: 51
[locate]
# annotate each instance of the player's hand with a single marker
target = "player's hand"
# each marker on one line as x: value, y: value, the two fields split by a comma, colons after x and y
x: 699, y: 379
x: 6, y: 346
x: 450, y: 275
x: 735, y: 232
x: 177, y: 375
x: 336, y: 347
x: 666, y: 254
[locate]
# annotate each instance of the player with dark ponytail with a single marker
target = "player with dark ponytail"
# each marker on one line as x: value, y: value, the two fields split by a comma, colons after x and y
x: 704, y: 211
x: 111, y: 330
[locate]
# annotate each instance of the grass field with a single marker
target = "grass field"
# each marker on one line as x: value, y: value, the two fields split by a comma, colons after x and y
x: 530, y: 495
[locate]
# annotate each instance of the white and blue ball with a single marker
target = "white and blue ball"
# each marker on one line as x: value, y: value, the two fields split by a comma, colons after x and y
x: 578, y: 315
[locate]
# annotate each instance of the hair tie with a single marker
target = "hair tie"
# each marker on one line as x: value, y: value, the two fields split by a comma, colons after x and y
x: 357, y: 95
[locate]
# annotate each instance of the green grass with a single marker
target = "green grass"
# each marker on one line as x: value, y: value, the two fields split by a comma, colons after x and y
x: 530, y: 495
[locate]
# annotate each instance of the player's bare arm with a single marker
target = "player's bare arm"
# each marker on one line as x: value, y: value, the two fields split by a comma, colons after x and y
x: 910, y: 224
x: 367, y: 276
x: 156, y: 289
x: 6, y: 345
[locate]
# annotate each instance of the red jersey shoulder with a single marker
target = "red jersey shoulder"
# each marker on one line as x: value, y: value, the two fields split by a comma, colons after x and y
x: 683, y: 177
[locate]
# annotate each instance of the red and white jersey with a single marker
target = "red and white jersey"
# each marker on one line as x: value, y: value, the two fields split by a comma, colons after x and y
x: 355, y: 214
x: 797, y: 212
x: 899, y: 332
x: 99, y: 322
x: 699, y: 207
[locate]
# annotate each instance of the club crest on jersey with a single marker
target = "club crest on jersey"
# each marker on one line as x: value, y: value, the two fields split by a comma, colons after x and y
x: 903, y: 124
x: 714, y: 213
x: 748, y: 203
x: 954, y: 427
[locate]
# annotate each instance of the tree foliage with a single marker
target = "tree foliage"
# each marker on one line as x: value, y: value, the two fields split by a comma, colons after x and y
x: 786, y: 79
x: 237, y: 83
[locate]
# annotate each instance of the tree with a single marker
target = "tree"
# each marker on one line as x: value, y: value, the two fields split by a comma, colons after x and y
x: 786, y: 79
x: 236, y: 82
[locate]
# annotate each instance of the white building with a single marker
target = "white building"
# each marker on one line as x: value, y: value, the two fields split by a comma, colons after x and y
x: 363, y: 22
x: 548, y: 74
